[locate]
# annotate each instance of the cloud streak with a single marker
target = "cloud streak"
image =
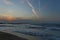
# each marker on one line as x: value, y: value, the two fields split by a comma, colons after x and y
x: 39, y: 4
x: 33, y: 9
x: 8, y: 2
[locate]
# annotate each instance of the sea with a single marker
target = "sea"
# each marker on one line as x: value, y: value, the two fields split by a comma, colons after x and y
x: 41, y: 31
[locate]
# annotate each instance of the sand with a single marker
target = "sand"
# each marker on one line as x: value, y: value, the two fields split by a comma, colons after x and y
x: 7, y: 36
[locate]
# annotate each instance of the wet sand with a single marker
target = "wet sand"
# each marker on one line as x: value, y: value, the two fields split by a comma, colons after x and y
x: 7, y: 36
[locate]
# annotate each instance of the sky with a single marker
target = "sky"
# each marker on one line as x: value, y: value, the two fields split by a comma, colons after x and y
x: 50, y: 9
x: 18, y: 8
x: 40, y: 9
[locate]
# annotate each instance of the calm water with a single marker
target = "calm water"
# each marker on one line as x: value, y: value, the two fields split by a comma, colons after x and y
x: 31, y: 31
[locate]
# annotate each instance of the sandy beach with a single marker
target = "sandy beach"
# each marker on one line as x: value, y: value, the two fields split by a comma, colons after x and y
x: 7, y: 36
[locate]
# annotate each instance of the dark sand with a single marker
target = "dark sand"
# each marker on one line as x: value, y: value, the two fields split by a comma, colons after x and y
x: 7, y: 36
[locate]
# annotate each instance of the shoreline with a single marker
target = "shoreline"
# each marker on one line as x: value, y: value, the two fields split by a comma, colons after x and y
x: 7, y: 36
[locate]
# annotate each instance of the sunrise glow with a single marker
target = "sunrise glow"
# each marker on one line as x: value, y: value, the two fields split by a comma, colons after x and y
x: 8, y: 17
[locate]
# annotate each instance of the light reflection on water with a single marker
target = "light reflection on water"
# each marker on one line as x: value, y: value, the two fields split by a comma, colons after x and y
x: 32, y: 31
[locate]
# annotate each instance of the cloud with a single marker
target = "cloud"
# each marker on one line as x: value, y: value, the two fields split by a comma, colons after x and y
x: 33, y: 9
x: 8, y: 2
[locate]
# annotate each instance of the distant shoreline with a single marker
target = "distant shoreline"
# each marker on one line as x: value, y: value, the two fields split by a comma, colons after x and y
x: 12, y: 23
